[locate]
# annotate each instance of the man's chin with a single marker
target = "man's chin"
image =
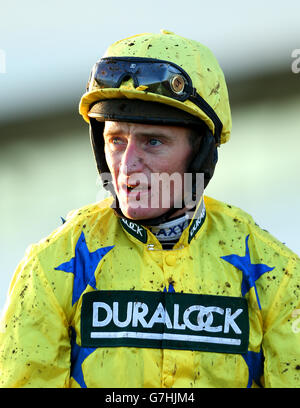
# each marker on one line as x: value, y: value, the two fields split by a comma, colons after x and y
x: 142, y: 213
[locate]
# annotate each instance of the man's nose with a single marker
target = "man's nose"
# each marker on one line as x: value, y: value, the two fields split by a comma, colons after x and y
x: 132, y: 159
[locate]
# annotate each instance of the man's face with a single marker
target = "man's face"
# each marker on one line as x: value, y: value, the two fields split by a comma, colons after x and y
x: 137, y: 156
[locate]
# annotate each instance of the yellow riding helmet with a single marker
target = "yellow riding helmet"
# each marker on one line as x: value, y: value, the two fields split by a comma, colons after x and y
x: 196, y: 60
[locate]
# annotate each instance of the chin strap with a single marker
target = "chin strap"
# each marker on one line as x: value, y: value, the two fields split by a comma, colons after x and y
x: 205, y: 159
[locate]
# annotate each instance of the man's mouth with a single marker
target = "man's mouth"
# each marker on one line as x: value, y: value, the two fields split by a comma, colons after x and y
x: 136, y: 188
x: 130, y: 187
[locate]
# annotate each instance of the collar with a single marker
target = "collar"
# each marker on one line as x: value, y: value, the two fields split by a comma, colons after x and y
x: 177, y: 227
x: 170, y: 230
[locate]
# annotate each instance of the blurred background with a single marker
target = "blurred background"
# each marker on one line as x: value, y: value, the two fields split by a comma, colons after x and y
x: 46, y: 52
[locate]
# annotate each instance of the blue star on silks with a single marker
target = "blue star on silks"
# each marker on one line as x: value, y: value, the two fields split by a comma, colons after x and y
x: 251, y: 272
x: 78, y: 355
x: 83, y: 266
x: 170, y: 289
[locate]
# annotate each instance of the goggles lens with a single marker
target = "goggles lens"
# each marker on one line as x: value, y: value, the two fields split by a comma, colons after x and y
x: 160, y: 77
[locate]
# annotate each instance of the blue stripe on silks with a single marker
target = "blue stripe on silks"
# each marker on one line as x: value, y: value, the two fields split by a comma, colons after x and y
x: 78, y: 355
x: 255, y: 363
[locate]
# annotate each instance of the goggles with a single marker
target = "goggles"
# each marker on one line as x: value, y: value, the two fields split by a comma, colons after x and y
x: 153, y: 75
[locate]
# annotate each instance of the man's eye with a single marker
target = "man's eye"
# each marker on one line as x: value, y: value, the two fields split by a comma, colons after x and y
x: 116, y: 140
x: 154, y: 142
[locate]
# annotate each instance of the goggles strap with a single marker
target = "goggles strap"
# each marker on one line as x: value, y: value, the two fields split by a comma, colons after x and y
x: 206, y: 108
